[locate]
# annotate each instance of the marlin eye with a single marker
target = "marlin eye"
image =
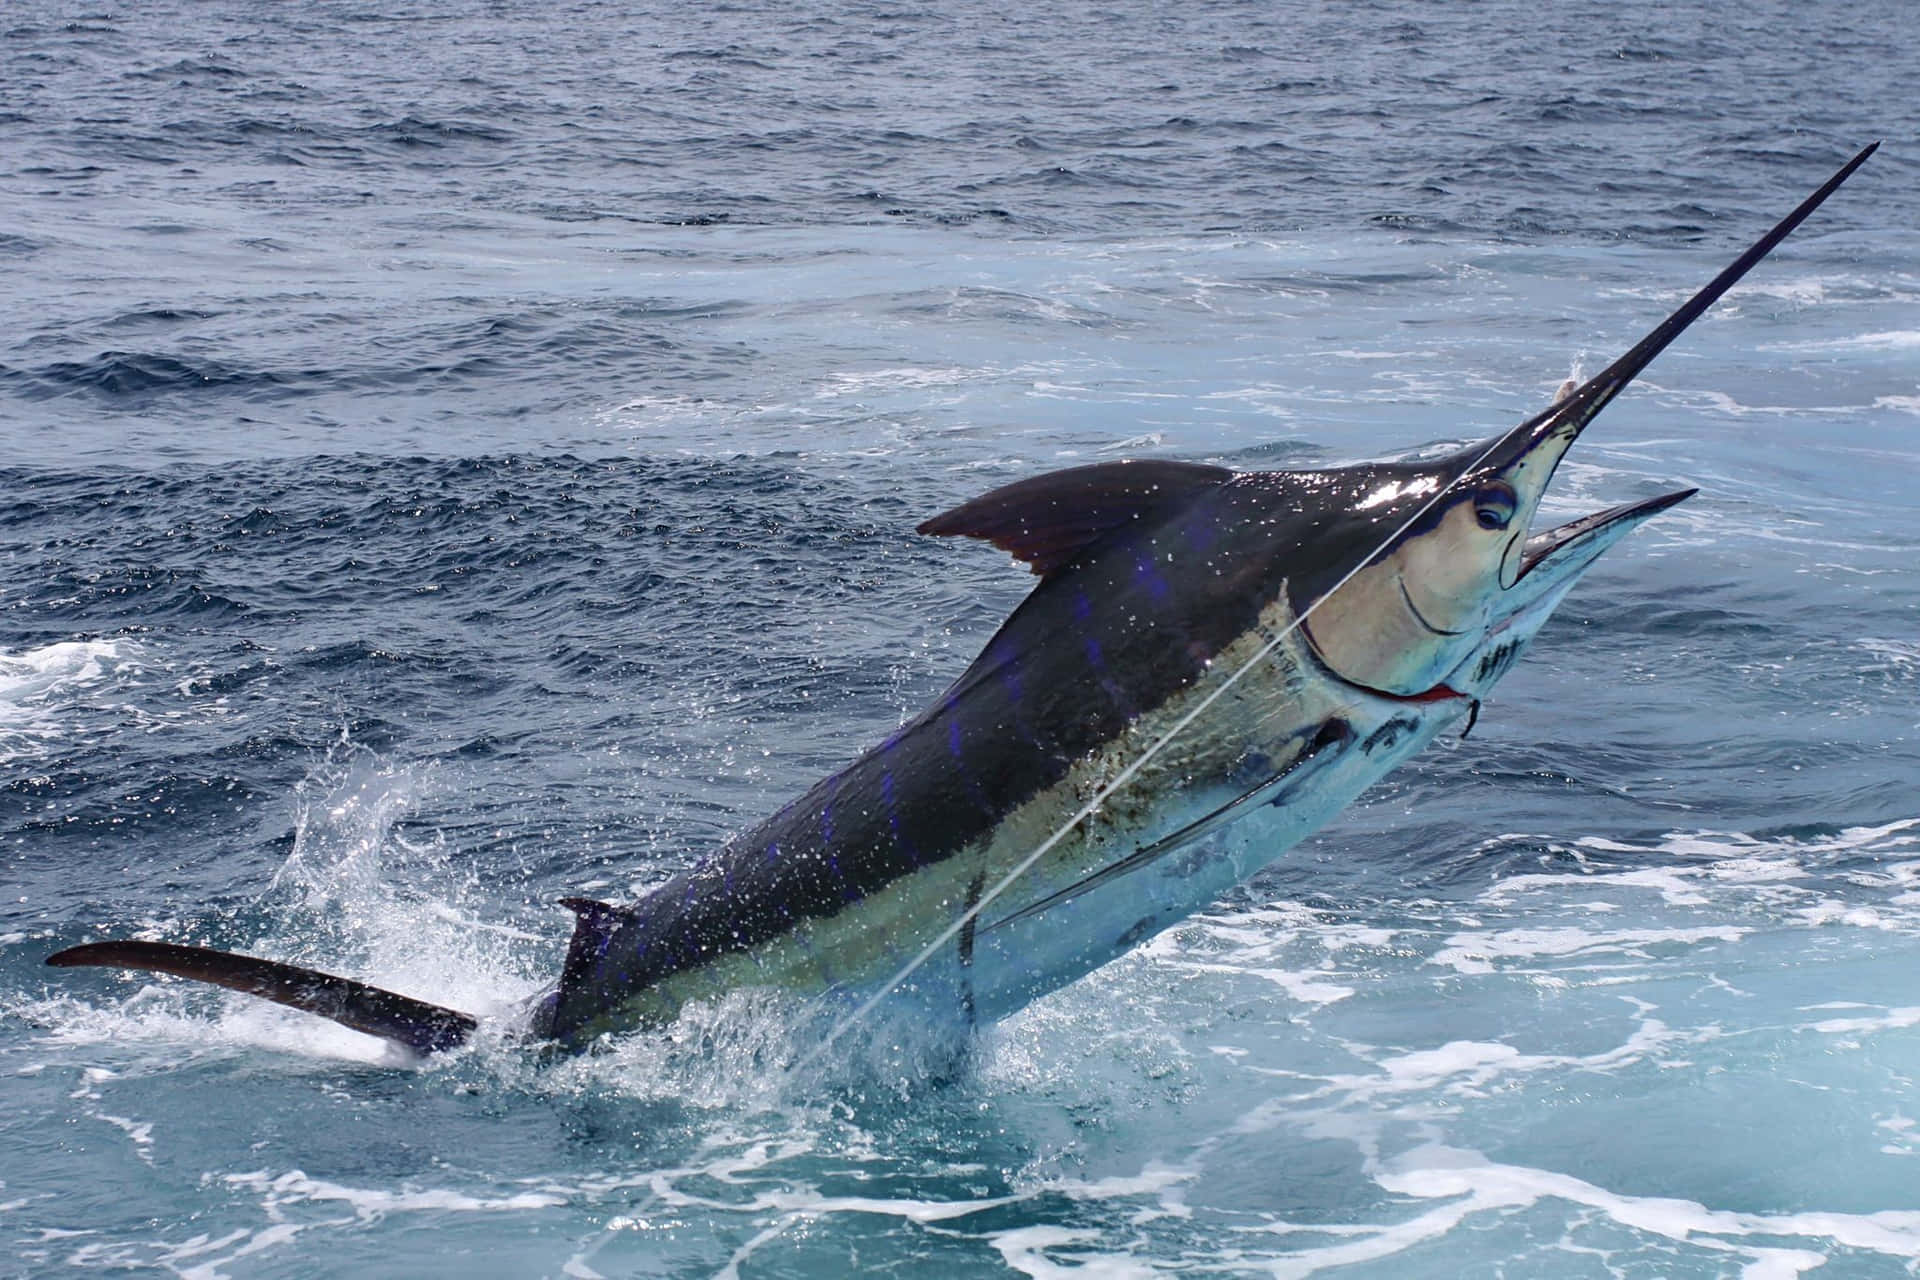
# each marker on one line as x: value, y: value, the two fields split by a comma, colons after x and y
x: 1494, y: 504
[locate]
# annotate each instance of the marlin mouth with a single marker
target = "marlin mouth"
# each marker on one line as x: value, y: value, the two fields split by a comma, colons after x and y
x: 1593, y: 534
x: 875, y: 860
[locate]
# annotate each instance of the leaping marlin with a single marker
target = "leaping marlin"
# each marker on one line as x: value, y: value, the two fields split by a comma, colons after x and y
x: 1244, y: 651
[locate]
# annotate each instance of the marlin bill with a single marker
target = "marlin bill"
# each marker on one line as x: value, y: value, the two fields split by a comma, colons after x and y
x: 1211, y: 666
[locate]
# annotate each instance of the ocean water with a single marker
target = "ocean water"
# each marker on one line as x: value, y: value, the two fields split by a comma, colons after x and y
x: 457, y: 456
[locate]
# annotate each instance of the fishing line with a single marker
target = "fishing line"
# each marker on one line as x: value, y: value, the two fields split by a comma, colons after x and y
x: 1126, y: 775
x: 1581, y: 406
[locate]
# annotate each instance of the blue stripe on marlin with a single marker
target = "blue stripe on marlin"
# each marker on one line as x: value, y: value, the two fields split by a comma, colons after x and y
x: 1328, y: 623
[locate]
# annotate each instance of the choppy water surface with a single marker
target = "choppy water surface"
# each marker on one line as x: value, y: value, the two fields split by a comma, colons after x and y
x: 456, y: 459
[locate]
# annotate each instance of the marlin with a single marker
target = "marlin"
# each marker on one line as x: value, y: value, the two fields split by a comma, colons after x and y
x: 1212, y: 665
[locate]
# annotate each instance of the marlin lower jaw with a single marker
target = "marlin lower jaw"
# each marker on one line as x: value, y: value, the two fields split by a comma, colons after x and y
x: 1554, y: 560
x: 896, y: 850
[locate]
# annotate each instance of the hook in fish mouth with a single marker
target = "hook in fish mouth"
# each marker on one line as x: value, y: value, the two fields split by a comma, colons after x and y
x: 915, y: 826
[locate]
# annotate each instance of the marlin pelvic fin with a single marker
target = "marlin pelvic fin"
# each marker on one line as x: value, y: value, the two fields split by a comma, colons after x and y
x: 1048, y: 520
x: 414, y: 1024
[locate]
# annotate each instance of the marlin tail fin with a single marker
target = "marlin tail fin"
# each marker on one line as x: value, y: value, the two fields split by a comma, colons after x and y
x: 415, y: 1024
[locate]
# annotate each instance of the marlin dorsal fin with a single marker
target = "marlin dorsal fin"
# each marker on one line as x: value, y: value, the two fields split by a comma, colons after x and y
x: 595, y: 923
x: 1048, y: 520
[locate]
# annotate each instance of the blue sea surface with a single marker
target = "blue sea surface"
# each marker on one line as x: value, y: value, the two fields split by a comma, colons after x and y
x: 459, y: 456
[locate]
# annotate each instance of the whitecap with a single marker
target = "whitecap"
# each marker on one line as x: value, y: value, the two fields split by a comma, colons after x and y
x: 1481, y: 953
x: 1888, y: 340
x: 1474, y: 1184
x: 39, y: 688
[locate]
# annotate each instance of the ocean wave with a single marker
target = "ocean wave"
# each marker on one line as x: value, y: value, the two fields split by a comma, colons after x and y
x: 545, y: 406
x: 129, y: 375
x: 41, y: 688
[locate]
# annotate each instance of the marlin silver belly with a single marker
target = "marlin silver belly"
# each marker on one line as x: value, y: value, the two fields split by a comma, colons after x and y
x: 1212, y: 665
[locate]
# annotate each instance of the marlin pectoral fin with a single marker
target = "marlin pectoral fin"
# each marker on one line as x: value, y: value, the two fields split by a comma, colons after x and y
x: 413, y: 1024
x: 1323, y: 748
x: 1049, y: 520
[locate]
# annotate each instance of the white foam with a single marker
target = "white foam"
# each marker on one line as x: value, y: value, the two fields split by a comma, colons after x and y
x: 1783, y: 875
x: 732, y: 1270
x: 1301, y: 986
x: 1888, y: 340
x: 31, y: 674
x: 390, y: 912
x: 1470, y: 1067
x: 39, y: 687
x: 1902, y: 1127
x: 256, y: 1242
x: 1891, y: 1020
x: 1810, y: 291
x: 1904, y: 653
x: 173, y: 1017
x: 1721, y: 402
x: 813, y: 1204
x: 1251, y: 942
x: 798, y: 1200
x: 1150, y: 440
x: 139, y: 1131
x: 1023, y: 1248
x: 279, y: 1190
x: 905, y: 378
x: 280, y: 1193
x: 1479, y: 953
x: 1476, y: 1184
